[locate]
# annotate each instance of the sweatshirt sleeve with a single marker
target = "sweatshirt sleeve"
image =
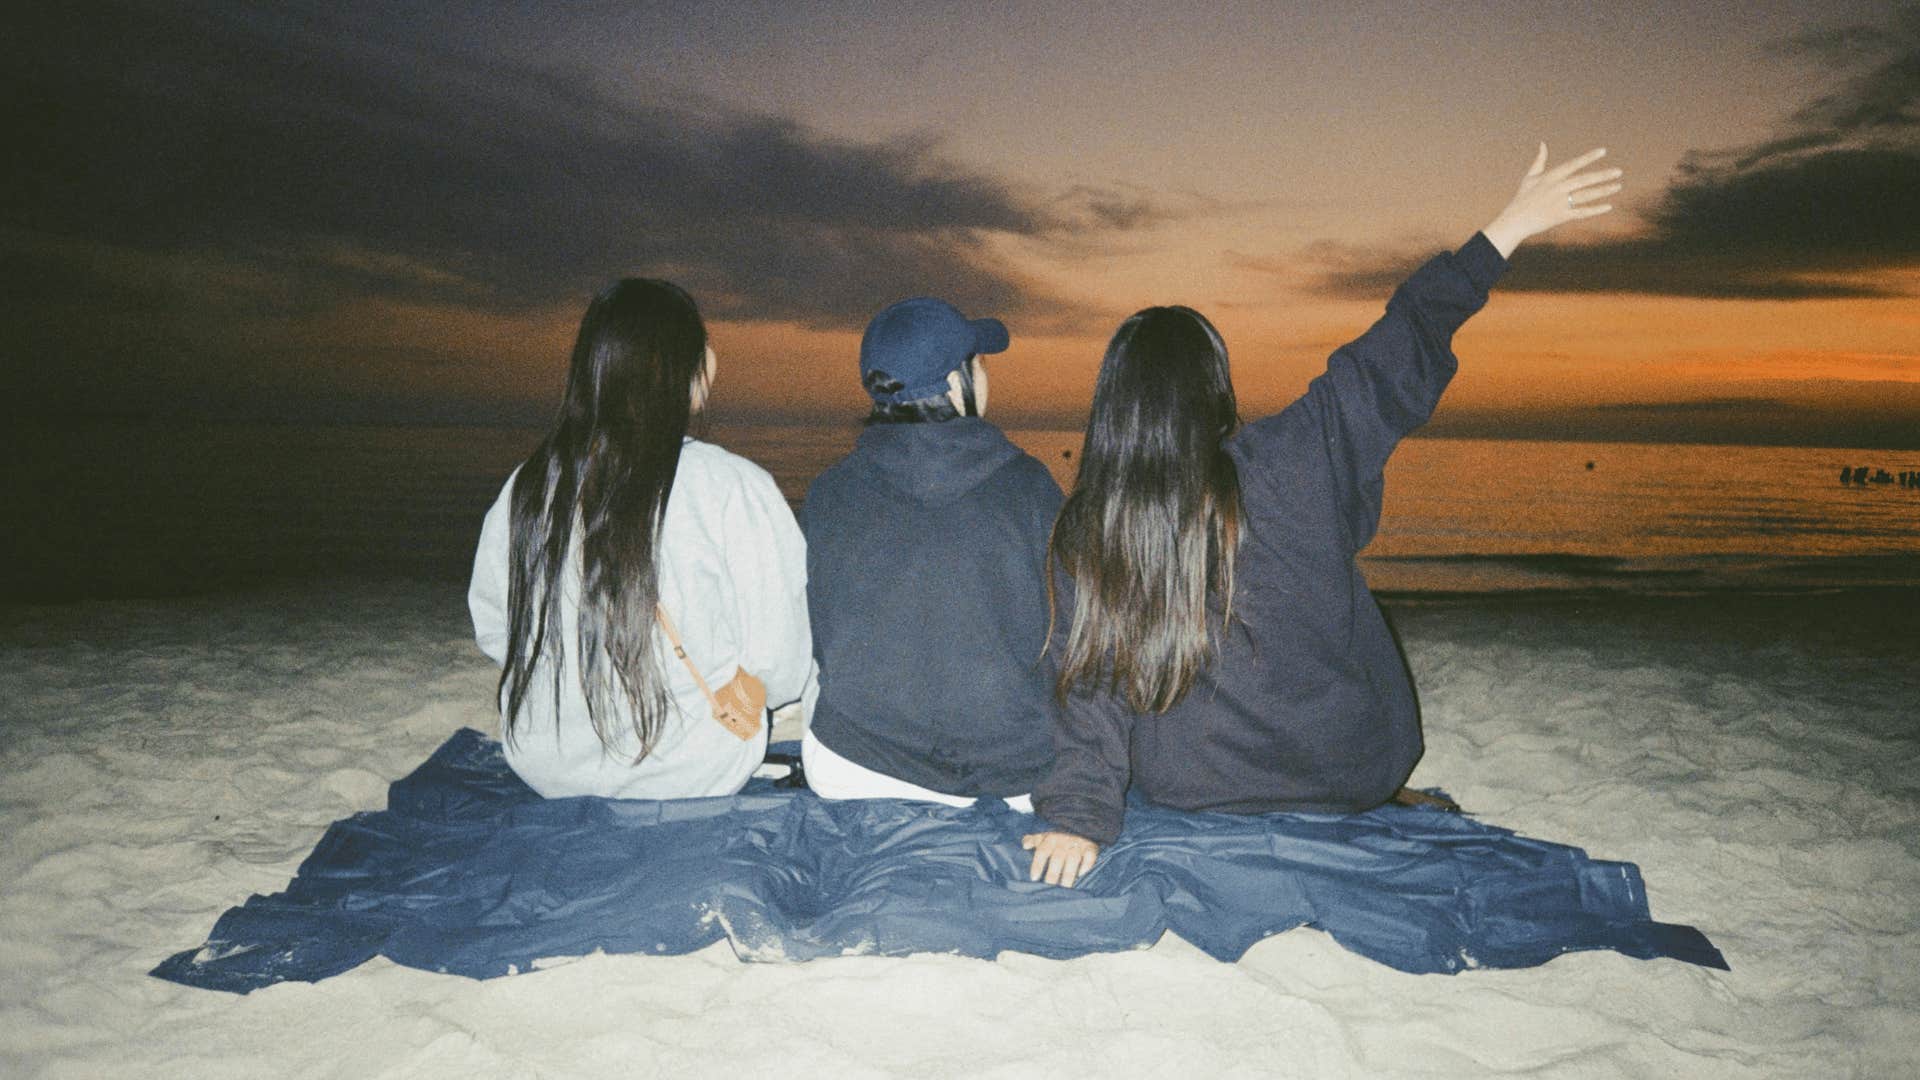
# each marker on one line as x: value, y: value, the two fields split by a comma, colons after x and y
x: 487, y: 593
x: 1382, y: 385
x: 767, y: 559
x: 1086, y: 790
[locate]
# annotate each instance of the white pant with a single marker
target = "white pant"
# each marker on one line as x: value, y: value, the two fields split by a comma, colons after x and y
x: 834, y: 777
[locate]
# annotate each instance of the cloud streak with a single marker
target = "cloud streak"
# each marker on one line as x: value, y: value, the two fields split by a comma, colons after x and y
x: 1813, y: 213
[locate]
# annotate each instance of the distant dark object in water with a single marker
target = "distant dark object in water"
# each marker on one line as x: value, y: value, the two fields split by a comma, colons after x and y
x: 1590, y: 469
x: 1867, y: 474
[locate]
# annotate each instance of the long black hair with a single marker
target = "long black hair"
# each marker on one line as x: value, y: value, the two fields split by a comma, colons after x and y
x: 600, y: 481
x: 1152, y: 526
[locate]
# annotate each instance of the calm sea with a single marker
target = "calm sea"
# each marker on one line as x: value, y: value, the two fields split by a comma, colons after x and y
x: 134, y: 508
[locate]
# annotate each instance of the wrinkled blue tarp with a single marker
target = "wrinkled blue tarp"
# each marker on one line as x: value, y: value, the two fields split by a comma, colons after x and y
x: 468, y: 871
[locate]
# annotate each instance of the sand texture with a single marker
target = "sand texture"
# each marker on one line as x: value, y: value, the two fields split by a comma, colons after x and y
x: 1759, y: 759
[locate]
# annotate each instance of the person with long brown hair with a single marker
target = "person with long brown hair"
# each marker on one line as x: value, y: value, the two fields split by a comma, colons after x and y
x: 619, y: 535
x: 1217, y: 646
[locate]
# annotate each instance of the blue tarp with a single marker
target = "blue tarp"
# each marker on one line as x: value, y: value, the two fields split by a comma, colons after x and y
x: 468, y: 871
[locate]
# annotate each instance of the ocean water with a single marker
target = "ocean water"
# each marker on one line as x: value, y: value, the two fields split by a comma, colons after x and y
x: 110, y: 508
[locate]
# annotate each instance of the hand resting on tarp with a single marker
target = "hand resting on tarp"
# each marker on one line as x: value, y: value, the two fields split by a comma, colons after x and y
x: 470, y: 872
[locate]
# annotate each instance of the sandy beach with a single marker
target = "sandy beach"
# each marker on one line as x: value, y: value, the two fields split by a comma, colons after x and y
x: 1757, y: 757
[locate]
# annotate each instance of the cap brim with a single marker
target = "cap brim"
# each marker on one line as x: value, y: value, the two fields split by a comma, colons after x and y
x: 989, y: 335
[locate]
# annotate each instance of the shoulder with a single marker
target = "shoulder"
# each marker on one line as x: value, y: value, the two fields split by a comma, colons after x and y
x: 843, y: 476
x: 503, y: 502
x: 723, y: 472
x: 1028, y: 476
x: 1281, y: 458
x: 1020, y: 473
x: 1291, y: 427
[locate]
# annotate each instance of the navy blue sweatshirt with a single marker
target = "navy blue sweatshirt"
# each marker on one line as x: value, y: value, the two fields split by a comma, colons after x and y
x: 926, y: 555
x: 1307, y: 704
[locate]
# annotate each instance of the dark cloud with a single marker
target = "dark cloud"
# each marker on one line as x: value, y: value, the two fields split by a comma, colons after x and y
x: 1878, y: 94
x: 1885, y: 421
x: 1701, y: 405
x: 344, y: 161
x: 1809, y: 214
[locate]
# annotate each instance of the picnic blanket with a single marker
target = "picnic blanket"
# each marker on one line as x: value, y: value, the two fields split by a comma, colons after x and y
x: 468, y: 871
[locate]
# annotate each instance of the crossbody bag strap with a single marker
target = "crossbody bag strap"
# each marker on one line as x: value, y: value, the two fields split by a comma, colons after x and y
x: 681, y: 652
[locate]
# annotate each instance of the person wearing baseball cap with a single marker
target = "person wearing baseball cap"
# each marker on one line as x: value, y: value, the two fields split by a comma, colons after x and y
x: 926, y: 559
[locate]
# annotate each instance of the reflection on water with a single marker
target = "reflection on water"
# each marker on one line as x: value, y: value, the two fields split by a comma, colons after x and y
x: 131, y: 508
x: 126, y: 508
x: 1642, y: 516
x: 1636, y: 500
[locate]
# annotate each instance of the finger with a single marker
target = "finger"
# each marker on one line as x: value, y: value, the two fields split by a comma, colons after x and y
x: 1568, y: 168
x: 1069, y: 871
x: 1029, y: 840
x: 1087, y: 859
x: 1056, y: 865
x: 1539, y: 162
x: 1597, y: 176
x: 1039, y: 863
x: 1587, y: 195
x: 1591, y: 211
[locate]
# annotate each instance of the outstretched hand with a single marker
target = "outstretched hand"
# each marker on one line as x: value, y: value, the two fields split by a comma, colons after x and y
x: 1550, y: 197
x: 1059, y: 858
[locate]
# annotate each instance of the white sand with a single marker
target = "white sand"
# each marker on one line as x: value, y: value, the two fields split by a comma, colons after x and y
x: 163, y: 760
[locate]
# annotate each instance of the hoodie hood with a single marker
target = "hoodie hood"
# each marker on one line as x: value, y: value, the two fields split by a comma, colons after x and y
x: 937, y: 462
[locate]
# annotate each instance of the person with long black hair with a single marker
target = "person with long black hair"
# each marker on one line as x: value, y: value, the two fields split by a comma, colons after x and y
x: 618, y: 534
x: 1217, y: 646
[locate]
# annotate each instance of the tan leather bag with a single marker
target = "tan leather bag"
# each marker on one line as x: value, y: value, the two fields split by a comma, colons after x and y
x: 740, y: 705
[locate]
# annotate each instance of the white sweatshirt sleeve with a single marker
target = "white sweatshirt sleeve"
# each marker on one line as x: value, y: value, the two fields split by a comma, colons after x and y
x: 487, y: 594
x: 767, y: 557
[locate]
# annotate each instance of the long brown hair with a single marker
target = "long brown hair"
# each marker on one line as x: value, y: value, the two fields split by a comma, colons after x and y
x: 1150, y: 531
x: 604, y: 470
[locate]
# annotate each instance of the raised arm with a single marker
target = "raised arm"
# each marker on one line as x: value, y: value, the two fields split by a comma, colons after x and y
x: 1384, y: 384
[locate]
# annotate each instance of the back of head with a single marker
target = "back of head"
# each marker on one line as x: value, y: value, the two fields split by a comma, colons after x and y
x: 600, y: 479
x: 911, y: 349
x: 1151, y: 528
x: 641, y: 343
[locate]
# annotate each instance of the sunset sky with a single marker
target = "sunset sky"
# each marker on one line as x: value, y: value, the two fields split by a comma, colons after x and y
x: 394, y: 211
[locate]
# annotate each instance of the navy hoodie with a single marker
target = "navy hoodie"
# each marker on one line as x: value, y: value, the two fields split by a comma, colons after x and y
x: 926, y: 556
x: 1307, y: 704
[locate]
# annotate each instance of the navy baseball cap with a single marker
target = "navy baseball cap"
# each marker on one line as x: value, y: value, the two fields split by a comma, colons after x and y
x: 919, y: 341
